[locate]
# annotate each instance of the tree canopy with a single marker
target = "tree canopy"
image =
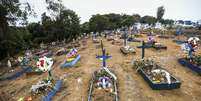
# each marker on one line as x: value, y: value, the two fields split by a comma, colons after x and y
x: 64, y: 24
x: 111, y: 21
x: 160, y: 13
x: 98, y: 23
x: 11, y: 13
x: 148, y: 20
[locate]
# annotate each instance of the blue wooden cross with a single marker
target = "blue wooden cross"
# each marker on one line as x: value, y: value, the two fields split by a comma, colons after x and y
x: 125, y: 36
x: 104, y: 57
x: 190, y: 52
x: 178, y: 32
x: 143, y: 49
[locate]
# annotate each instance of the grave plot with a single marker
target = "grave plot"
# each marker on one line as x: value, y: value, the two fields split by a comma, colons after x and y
x: 179, y: 39
x: 194, y: 64
x: 179, y: 42
x: 14, y: 75
x: 47, y: 88
x: 20, y: 69
x: 192, y: 61
x: 126, y: 49
x: 57, y: 43
x: 42, y: 65
x: 158, y: 46
x: 61, y: 51
x: 75, y: 43
x: 152, y: 43
x: 95, y: 38
x: 37, y: 64
x: 116, y: 41
x: 41, y: 53
x: 103, y: 85
x: 135, y: 37
x: 71, y: 59
x: 165, y: 36
x: 130, y: 39
x: 44, y: 90
x: 110, y: 38
x: 157, y: 77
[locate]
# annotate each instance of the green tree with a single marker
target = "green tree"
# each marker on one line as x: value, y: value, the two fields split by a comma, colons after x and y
x: 160, y: 13
x: 38, y: 33
x: 127, y: 20
x: 98, y: 23
x: 167, y: 21
x: 136, y: 17
x: 114, y: 20
x: 148, y: 20
x: 10, y: 14
x: 64, y: 24
x: 85, y: 27
x: 68, y: 24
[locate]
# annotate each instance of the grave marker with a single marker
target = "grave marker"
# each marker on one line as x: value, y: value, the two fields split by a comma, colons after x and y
x: 103, y: 57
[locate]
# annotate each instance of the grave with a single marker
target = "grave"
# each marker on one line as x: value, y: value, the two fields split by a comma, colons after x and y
x: 61, y: 51
x: 192, y: 61
x: 95, y: 39
x: 152, y: 43
x: 157, y: 77
x: 71, y: 58
x: 103, y: 85
x: 179, y: 39
x: 45, y: 88
x: 42, y: 65
x: 126, y: 49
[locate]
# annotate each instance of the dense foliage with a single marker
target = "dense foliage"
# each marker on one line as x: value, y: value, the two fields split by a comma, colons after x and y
x: 113, y: 21
x: 62, y: 24
x: 12, y: 38
x: 160, y: 13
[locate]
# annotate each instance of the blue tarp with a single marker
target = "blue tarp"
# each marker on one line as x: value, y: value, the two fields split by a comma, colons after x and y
x: 54, y: 91
x: 17, y: 74
x: 70, y: 64
x: 190, y: 66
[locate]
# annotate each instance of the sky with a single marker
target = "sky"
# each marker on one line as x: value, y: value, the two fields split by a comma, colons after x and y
x: 174, y: 9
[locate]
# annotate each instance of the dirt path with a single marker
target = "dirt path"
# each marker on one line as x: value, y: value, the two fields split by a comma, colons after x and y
x: 128, y: 87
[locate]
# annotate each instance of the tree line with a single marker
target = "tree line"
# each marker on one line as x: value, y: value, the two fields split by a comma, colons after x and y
x: 57, y: 24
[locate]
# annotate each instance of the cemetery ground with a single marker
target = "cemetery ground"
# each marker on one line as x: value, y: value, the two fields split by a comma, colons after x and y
x: 131, y: 85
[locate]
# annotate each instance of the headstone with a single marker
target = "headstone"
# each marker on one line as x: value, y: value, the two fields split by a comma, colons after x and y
x: 143, y: 50
x: 125, y: 36
x: 9, y: 64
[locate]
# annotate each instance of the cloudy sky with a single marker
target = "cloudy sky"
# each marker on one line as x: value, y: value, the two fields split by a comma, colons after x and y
x: 175, y: 9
